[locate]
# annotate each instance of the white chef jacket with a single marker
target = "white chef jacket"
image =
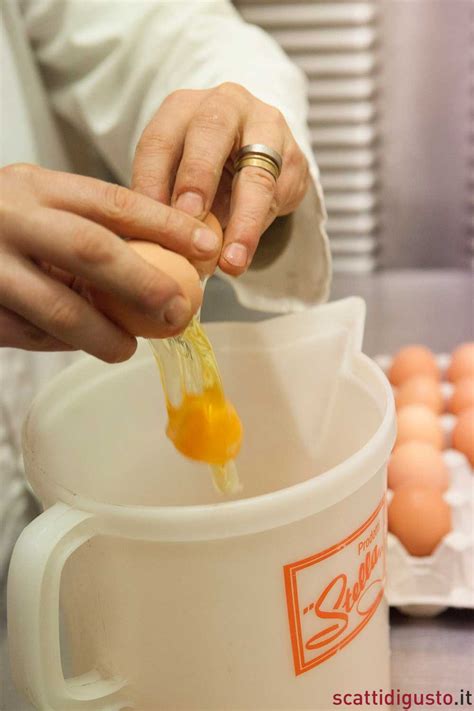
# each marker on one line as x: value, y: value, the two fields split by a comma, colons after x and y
x: 80, y: 81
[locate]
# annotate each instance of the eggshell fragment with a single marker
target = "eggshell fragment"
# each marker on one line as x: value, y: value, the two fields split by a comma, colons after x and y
x: 417, y: 463
x: 463, y: 395
x: 410, y: 361
x: 421, y: 390
x: 420, y: 518
x: 463, y: 434
x: 418, y: 422
x: 462, y: 362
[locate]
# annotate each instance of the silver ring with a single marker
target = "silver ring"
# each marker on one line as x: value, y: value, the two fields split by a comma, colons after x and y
x: 260, y: 149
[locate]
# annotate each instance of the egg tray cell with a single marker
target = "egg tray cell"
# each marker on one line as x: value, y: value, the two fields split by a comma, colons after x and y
x: 426, y: 586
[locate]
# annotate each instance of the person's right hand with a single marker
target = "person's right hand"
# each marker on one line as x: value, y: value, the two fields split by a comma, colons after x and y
x: 58, y: 233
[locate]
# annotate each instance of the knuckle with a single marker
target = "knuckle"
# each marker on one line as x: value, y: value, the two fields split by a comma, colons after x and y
x: 20, y: 171
x: 278, y: 117
x: 144, y: 180
x: 17, y: 190
x: 212, y: 119
x: 250, y: 221
x: 118, y: 201
x: 196, y: 169
x: 177, y: 227
x: 272, y: 115
x: 149, y: 292
x: 231, y: 88
x: 273, y: 210
x: 260, y: 180
x: 253, y: 220
x: 297, y: 179
x: 155, y: 143
x: 177, y: 96
x: 172, y: 222
x: 89, y: 246
x: 294, y: 158
x: 63, y: 315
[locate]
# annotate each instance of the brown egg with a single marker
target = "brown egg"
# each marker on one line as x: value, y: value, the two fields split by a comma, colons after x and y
x: 417, y: 463
x: 421, y: 390
x: 418, y: 422
x: 462, y: 362
x: 463, y: 434
x: 173, y: 264
x: 420, y: 518
x: 410, y: 361
x: 132, y: 319
x: 463, y: 395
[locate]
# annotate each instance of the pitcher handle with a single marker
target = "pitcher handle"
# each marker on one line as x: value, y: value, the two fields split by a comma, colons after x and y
x: 33, y: 615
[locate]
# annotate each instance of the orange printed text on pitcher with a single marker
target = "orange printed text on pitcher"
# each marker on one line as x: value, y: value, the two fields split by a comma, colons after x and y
x: 325, y: 617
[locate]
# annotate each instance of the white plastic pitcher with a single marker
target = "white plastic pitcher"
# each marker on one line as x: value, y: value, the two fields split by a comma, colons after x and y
x: 175, y: 598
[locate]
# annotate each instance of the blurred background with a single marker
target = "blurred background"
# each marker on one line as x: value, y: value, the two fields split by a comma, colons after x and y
x: 391, y: 89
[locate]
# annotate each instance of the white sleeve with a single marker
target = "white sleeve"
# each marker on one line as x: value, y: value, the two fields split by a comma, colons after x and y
x: 108, y: 65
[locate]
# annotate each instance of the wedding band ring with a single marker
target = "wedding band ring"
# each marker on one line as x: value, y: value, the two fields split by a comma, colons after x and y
x: 260, y: 149
x: 258, y: 155
x: 258, y: 162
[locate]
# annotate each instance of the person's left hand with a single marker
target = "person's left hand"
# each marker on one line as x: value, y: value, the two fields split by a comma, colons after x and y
x: 185, y: 157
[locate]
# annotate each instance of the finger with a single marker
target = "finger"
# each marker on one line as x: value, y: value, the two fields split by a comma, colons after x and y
x: 221, y: 205
x: 91, y: 252
x: 254, y: 202
x: 210, y: 139
x: 127, y: 213
x: 60, y: 312
x: 17, y: 332
x: 161, y: 144
x: 294, y: 179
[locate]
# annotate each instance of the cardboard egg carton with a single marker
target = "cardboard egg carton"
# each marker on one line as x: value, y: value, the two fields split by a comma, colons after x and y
x: 425, y: 586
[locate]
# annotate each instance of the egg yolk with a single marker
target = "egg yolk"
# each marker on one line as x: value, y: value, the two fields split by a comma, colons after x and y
x: 202, y: 424
x: 205, y: 427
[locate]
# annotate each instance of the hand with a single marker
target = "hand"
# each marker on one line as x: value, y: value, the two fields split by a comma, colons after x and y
x: 58, y: 234
x: 185, y: 157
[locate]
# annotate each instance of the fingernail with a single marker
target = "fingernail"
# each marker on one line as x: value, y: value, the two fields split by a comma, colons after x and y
x: 236, y: 254
x: 177, y: 311
x: 205, y: 240
x: 191, y: 203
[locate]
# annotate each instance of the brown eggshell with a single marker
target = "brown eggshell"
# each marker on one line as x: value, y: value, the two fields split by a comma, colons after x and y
x: 418, y: 422
x: 410, y: 361
x: 462, y: 362
x: 463, y: 395
x: 463, y: 434
x: 420, y: 390
x: 420, y: 518
x: 172, y: 264
x: 417, y: 463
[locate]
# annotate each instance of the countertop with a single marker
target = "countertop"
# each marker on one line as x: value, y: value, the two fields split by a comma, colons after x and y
x: 430, y: 307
